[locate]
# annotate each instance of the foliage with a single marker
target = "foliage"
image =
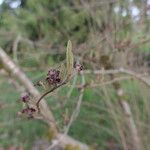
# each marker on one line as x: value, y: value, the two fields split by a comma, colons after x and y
x: 104, y: 35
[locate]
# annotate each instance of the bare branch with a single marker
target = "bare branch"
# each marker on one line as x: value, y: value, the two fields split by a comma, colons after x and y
x: 135, y: 75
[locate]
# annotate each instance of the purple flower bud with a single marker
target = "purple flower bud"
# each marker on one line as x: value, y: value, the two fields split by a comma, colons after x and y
x: 53, y: 76
x: 32, y: 109
x: 28, y: 111
x: 58, y: 80
x: 25, y: 98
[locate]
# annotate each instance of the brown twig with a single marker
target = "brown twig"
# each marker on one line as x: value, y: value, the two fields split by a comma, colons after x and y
x: 140, y: 77
x: 51, y: 90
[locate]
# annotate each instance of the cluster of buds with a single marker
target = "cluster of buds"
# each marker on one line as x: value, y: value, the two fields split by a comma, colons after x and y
x: 25, y: 98
x: 28, y: 111
x: 53, y: 77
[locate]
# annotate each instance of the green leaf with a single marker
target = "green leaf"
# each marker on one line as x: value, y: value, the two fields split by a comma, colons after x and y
x: 62, y: 71
x: 69, y: 58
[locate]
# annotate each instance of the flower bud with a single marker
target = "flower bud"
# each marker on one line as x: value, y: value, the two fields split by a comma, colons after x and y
x: 25, y: 98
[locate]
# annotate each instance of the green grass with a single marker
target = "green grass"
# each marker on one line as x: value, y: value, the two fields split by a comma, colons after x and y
x: 95, y: 124
x: 15, y: 130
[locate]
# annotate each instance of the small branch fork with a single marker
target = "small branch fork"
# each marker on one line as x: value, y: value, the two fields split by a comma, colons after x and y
x: 51, y: 90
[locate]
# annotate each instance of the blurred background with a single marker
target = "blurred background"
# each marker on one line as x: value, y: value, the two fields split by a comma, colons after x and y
x: 106, y: 34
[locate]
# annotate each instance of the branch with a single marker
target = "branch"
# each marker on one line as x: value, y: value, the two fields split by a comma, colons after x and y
x: 15, y: 72
x: 94, y: 85
x: 135, y: 75
x: 15, y: 48
x: 48, y: 117
x: 51, y: 90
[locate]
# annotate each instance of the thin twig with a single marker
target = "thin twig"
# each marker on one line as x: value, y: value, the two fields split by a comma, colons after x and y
x: 15, y: 48
x: 140, y: 77
x: 51, y: 90
x: 93, y: 85
x: 77, y: 109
